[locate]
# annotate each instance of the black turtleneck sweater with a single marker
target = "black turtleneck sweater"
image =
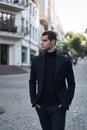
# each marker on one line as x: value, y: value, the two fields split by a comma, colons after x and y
x: 48, y: 96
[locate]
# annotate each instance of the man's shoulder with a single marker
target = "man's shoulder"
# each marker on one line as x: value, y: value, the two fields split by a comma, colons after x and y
x: 37, y: 57
x: 61, y: 56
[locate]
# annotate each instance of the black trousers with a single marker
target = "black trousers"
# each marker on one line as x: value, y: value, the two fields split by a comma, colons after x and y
x: 52, y: 118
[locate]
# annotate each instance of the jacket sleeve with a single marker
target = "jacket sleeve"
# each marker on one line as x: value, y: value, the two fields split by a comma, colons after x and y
x: 70, y: 80
x: 32, y: 82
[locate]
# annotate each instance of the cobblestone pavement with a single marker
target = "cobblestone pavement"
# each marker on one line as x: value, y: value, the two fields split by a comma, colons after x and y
x: 19, y: 115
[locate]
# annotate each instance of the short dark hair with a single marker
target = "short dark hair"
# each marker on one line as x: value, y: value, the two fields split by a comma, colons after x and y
x: 51, y: 35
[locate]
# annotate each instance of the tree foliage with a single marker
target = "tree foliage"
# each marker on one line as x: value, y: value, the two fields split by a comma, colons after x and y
x: 73, y: 41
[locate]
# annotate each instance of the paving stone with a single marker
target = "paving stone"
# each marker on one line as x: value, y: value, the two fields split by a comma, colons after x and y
x: 19, y: 114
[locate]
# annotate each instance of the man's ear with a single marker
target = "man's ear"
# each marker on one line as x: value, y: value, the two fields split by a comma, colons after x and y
x: 53, y: 42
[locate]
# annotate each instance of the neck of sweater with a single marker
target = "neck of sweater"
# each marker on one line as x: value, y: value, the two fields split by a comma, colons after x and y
x: 51, y: 54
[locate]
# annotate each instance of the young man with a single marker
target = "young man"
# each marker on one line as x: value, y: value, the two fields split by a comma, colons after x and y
x: 50, y: 94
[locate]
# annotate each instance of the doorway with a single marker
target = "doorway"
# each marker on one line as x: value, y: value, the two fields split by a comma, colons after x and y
x: 4, y: 54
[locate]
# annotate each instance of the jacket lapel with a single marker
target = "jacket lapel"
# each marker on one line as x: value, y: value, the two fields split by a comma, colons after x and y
x: 42, y: 66
x: 57, y: 65
x: 41, y: 69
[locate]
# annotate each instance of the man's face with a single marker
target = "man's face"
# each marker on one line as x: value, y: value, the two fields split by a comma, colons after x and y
x: 46, y: 44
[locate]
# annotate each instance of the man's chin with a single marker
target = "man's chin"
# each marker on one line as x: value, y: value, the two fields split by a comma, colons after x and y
x: 42, y: 49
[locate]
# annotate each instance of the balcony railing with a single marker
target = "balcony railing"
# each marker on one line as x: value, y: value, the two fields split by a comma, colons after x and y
x: 19, y: 2
x: 14, y: 5
x: 13, y: 30
x: 8, y: 28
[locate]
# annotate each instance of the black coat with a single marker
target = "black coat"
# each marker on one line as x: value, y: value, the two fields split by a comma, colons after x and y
x: 64, y: 79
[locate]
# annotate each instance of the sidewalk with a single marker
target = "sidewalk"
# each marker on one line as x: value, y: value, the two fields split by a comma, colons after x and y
x: 14, y: 97
x: 19, y: 114
x: 10, y: 70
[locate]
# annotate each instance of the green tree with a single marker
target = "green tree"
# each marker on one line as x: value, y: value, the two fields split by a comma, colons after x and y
x: 76, y: 43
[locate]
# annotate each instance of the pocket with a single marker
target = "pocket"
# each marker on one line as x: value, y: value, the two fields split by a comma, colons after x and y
x: 61, y: 108
x: 64, y: 97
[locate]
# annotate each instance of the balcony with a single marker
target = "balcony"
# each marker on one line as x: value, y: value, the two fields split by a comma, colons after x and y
x: 14, y: 5
x: 13, y: 32
x: 8, y: 29
x: 44, y: 22
x: 36, y: 3
x: 9, y: 32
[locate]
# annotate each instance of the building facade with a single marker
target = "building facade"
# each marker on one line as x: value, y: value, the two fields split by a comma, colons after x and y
x: 48, y: 17
x: 19, y: 28
x: 21, y: 25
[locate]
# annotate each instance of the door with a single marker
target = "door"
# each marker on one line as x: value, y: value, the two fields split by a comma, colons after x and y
x: 3, y: 54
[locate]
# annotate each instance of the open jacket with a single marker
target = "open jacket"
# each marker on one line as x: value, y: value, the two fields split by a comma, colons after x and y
x: 64, y: 79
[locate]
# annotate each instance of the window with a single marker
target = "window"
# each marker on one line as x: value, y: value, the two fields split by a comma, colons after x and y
x: 24, y: 54
x: 16, y: 1
x: 1, y: 19
x: 30, y: 30
x: 26, y: 27
x: 36, y: 34
x: 35, y: 14
x: 33, y: 33
x: 33, y: 11
x: 32, y: 54
x: 7, y: 22
x: 22, y: 29
x: 12, y: 18
x: 27, y: 3
x: 0, y: 16
x: 30, y: 8
x: 4, y: 18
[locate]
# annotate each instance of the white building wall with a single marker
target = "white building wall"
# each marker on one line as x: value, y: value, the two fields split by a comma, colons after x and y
x: 27, y: 45
x: 11, y: 55
x: 31, y: 41
x: 18, y: 17
x: 18, y: 54
x: 43, y: 8
x: 28, y: 40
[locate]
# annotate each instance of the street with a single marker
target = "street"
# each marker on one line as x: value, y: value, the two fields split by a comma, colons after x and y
x: 19, y: 114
